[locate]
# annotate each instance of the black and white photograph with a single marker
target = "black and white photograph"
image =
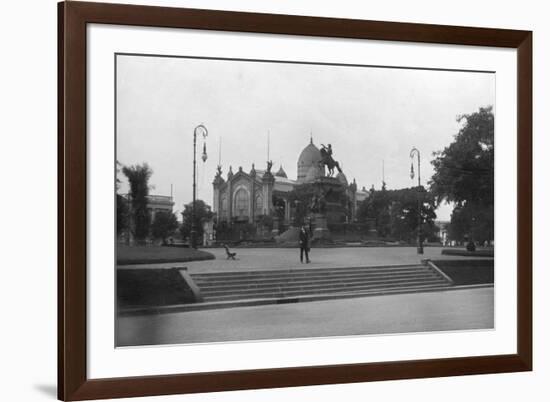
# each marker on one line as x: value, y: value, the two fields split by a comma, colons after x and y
x: 263, y: 200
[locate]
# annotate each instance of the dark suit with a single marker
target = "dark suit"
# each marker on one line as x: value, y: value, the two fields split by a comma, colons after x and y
x: 304, y: 245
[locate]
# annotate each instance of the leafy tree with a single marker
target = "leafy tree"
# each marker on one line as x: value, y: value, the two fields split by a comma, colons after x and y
x: 464, y: 175
x: 472, y: 222
x: 121, y: 214
x: 377, y: 208
x: 138, y: 177
x: 117, y: 180
x: 404, y: 213
x: 164, y: 225
x: 121, y: 205
x: 203, y: 213
x: 395, y: 213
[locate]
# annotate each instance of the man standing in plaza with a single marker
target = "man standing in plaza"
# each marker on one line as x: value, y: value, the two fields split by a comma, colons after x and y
x: 304, y: 244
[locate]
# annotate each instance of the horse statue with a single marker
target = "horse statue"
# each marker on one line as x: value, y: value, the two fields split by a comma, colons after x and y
x: 328, y: 161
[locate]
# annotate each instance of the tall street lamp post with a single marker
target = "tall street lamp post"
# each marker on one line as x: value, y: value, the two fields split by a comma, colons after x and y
x: 200, y: 129
x: 419, y: 248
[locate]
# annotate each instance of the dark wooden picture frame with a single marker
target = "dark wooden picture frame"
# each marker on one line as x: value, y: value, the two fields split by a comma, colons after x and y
x: 73, y: 383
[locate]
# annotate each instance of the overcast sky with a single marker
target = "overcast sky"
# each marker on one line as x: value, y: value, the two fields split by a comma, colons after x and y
x: 368, y: 114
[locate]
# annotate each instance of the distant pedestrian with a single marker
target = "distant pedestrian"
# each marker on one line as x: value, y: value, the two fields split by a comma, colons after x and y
x: 304, y: 244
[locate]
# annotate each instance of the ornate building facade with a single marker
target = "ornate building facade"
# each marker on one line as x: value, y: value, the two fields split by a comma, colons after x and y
x: 250, y: 196
x: 157, y: 203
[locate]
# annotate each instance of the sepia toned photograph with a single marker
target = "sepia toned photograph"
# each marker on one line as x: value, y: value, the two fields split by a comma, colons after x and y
x: 265, y: 200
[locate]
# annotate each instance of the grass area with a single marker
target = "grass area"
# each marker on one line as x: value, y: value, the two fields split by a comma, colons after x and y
x: 468, y: 271
x: 152, y: 287
x: 159, y: 254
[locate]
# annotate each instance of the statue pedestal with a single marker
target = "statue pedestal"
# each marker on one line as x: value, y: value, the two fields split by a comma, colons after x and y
x: 321, y: 230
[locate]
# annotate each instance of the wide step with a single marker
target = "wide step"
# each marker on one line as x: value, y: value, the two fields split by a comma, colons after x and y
x: 227, y: 286
x: 290, y: 281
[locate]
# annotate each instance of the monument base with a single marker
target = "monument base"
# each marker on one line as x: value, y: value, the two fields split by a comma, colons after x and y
x: 321, y: 231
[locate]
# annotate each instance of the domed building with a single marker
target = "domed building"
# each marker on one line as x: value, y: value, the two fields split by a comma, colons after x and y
x: 309, y: 163
x: 259, y: 196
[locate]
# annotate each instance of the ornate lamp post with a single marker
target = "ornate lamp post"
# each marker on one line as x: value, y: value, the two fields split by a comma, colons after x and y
x: 419, y: 248
x: 200, y: 129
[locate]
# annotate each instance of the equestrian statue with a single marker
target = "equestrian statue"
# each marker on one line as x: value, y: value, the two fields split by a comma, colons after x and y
x: 328, y: 161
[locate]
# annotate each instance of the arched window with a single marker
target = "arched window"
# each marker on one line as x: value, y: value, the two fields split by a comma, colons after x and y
x: 241, y: 202
x: 224, y: 206
x: 259, y: 205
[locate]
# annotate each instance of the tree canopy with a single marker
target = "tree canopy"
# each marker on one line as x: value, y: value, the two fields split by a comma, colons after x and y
x: 164, y: 224
x: 395, y: 213
x: 464, y: 169
x: 464, y: 176
x: 138, y: 177
x: 121, y: 205
x: 203, y: 213
x: 121, y: 214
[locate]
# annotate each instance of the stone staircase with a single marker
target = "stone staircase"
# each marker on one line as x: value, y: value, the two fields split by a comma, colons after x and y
x: 308, y: 282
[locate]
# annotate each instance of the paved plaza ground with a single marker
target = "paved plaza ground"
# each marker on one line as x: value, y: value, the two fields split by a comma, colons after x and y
x: 400, y: 313
x: 419, y: 312
x: 250, y: 259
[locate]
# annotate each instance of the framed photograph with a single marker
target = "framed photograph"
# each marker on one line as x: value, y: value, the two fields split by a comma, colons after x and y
x: 254, y: 200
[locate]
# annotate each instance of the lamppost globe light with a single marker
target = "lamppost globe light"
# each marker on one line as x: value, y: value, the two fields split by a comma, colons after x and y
x: 204, y: 155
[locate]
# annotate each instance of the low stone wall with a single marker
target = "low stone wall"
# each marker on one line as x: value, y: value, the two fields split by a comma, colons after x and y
x: 468, y: 271
x: 152, y: 288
